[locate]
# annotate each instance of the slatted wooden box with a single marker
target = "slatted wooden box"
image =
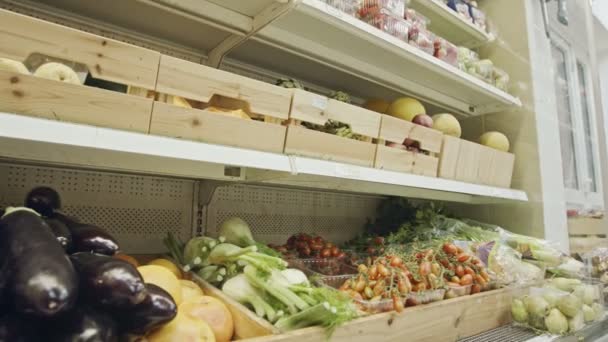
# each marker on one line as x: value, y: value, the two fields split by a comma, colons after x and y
x: 202, y: 87
x: 395, y: 130
x: 474, y: 163
x: 105, y: 59
x: 318, y: 109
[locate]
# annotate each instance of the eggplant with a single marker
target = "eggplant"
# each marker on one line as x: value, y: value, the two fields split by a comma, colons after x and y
x: 87, y: 237
x: 108, y: 282
x: 39, y: 277
x: 44, y: 200
x: 16, y: 329
x: 157, y: 309
x: 62, y: 233
x: 83, y: 325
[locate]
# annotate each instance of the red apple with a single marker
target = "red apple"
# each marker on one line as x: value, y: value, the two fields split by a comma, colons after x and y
x: 423, y: 120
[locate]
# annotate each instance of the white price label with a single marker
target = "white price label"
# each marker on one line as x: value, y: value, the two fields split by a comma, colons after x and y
x: 319, y: 102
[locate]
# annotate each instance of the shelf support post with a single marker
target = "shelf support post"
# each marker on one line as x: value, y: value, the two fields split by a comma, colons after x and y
x: 271, y: 13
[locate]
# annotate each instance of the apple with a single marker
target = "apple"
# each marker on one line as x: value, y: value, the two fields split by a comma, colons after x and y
x: 423, y: 120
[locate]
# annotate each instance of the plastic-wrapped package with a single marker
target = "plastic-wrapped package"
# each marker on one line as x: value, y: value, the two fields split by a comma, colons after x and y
x: 483, y: 69
x: 479, y: 18
x: 416, y: 18
x: 446, y: 51
x: 501, y: 79
x: 422, y: 39
x: 373, y: 7
x: 461, y: 7
x: 558, y: 310
x: 466, y: 58
x: 392, y: 25
x: 350, y: 7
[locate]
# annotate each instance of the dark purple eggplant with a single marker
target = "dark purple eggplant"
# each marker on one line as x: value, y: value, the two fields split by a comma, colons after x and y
x: 157, y: 309
x: 87, y: 237
x: 108, y: 282
x: 44, y: 200
x: 83, y: 325
x: 39, y: 277
x: 16, y: 329
x: 62, y: 233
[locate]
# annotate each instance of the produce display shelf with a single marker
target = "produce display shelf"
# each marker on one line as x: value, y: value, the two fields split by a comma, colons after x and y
x: 35, y: 140
x: 313, y: 42
x: 318, y: 43
x: 451, y: 26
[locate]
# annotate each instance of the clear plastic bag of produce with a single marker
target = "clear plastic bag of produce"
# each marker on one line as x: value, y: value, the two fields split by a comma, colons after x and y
x: 507, y: 266
x: 479, y: 18
x: 466, y: 58
x: 560, y: 307
x: 597, y: 268
x: 501, y: 79
x: 391, y: 7
x: 394, y: 26
x: 422, y: 39
x: 446, y: 51
x: 461, y: 7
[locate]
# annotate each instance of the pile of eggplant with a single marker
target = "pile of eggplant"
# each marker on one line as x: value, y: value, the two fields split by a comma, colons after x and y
x: 59, y: 280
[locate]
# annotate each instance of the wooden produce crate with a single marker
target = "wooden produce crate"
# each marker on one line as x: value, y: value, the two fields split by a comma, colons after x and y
x: 474, y: 163
x: 395, y: 130
x: 246, y: 323
x: 25, y: 38
x: 448, y: 320
x: 203, y: 87
x: 317, y: 109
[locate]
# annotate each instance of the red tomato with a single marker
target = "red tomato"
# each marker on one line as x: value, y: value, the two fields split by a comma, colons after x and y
x: 462, y: 257
x: 469, y: 270
x: 475, y: 289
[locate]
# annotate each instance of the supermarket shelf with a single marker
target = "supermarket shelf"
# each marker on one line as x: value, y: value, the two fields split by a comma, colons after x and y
x: 318, y: 43
x: 313, y: 42
x: 450, y: 25
x: 40, y: 141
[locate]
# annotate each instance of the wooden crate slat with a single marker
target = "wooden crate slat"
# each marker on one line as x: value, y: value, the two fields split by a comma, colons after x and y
x: 448, y: 320
x: 397, y: 130
x: 215, y: 128
x: 198, y: 82
x: 394, y: 159
x: 468, y: 162
x: 306, y: 142
x: 105, y: 58
x: 449, y: 157
x: 425, y: 165
x: 33, y: 96
x: 318, y: 109
x: 503, y: 169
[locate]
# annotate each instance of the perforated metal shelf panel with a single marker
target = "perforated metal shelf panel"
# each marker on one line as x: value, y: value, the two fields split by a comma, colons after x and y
x: 276, y: 213
x: 506, y: 333
x: 137, y: 210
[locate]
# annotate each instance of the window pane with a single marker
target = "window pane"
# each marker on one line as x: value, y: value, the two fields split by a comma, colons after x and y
x: 589, y: 142
x: 562, y: 96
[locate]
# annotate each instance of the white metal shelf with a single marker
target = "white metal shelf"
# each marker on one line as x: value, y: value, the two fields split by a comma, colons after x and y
x: 318, y: 43
x: 450, y: 25
x: 33, y: 140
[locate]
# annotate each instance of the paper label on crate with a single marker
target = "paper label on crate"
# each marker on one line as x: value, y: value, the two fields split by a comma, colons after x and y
x: 319, y: 102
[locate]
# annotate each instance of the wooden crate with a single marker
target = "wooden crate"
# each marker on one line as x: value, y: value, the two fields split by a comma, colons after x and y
x: 246, y: 323
x: 203, y: 86
x: 395, y: 130
x: 474, y: 163
x: 105, y: 59
x: 448, y: 320
x: 317, y: 109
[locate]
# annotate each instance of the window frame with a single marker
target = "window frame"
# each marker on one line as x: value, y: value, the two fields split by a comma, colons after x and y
x: 582, y: 197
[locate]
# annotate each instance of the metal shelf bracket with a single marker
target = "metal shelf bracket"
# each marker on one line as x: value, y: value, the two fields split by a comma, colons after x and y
x: 271, y: 13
